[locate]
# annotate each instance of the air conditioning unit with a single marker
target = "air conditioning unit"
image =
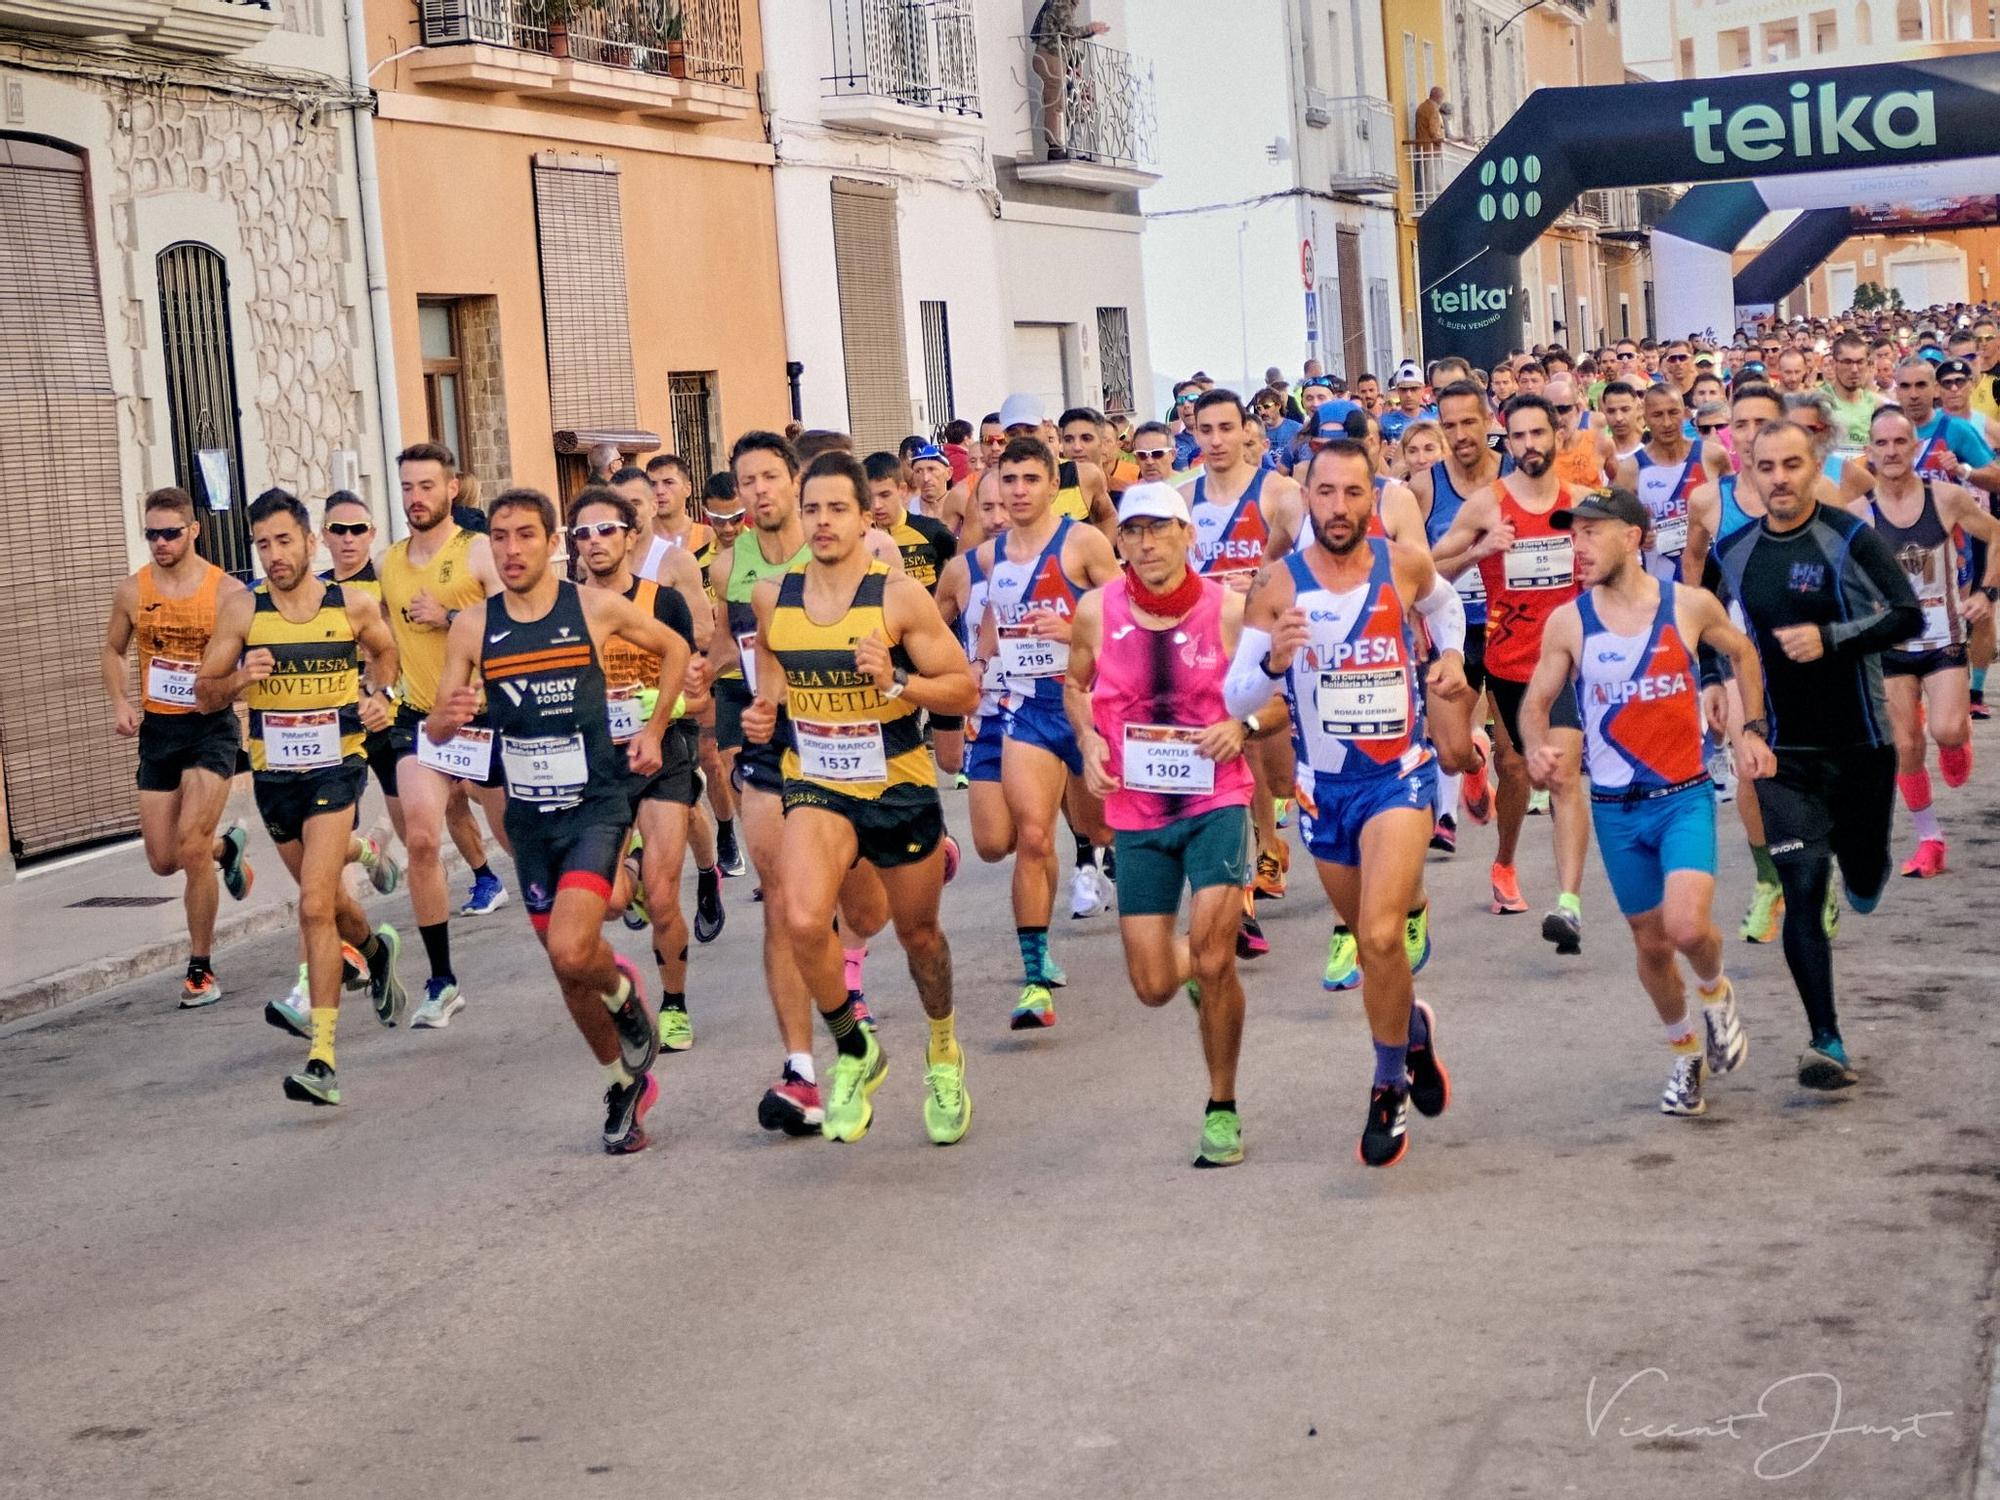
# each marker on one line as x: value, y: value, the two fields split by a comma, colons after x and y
x: 444, y: 22
x: 1318, y: 114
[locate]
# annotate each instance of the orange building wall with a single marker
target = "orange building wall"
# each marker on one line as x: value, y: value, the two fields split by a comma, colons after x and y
x: 1981, y: 248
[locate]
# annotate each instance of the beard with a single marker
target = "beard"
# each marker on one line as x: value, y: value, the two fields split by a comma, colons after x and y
x: 1356, y: 535
x: 1534, y: 463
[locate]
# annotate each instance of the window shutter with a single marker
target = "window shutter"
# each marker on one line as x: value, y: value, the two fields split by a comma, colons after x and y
x: 869, y: 272
x: 585, y: 315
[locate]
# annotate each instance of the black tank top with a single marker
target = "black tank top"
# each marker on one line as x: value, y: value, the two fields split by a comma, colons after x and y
x: 545, y: 700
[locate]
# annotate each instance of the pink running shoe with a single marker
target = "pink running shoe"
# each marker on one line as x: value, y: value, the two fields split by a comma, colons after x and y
x: 1956, y: 764
x: 1927, y: 861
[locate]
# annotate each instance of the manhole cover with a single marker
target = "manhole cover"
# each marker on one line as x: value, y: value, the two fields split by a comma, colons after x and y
x: 101, y: 901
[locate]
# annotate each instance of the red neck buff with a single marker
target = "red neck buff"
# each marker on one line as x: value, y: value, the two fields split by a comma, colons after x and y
x: 1171, y: 605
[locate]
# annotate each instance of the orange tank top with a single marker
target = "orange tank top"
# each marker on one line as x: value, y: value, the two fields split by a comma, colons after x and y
x: 173, y: 637
x: 1578, y: 464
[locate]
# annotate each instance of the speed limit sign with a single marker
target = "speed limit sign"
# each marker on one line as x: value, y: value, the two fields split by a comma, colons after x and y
x: 1306, y: 263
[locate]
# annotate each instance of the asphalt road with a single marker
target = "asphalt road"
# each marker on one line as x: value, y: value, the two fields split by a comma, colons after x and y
x: 443, y: 1288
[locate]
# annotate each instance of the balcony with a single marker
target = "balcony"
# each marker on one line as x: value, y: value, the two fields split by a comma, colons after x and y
x: 665, y: 59
x: 1615, y: 212
x: 1091, y: 117
x: 1362, y: 143
x: 212, y: 26
x: 903, y: 67
x: 1434, y: 167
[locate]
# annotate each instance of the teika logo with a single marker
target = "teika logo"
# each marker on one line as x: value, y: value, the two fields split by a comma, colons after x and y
x: 1759, y: 132
x: 1468, y: 297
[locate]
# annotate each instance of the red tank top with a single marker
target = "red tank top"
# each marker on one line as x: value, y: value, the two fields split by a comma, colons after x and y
x: 1525, y: 585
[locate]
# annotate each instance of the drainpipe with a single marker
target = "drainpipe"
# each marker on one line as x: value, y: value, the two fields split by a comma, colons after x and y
x: 375, y: 263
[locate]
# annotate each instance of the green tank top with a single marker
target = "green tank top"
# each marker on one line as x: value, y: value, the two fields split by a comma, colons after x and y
x: 748, y: 567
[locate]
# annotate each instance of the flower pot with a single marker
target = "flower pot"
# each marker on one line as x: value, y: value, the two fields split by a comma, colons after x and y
x: 558, y: 39
x: 677, y: 60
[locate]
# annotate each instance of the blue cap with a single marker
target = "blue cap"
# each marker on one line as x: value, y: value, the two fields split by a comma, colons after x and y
x: 931, y: 453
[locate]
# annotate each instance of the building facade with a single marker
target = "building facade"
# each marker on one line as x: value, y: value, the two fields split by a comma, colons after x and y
x: 957, y: 209
x: 183, y: 301
x: 582, y: 241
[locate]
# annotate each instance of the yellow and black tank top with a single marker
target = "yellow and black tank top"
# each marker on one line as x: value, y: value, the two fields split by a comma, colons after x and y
x: 447, y: 578
x: 846, y: 736
x: 926, y: 546
x: 172, y: 636
x: 306, y: 716
x: 1069, y: 493
x: 364, y: 580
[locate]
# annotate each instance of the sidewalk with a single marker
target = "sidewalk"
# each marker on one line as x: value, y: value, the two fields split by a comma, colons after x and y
x: 57, y: 950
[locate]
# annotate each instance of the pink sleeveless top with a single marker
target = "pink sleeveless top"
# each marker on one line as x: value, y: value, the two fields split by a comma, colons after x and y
x: 1150, y: 681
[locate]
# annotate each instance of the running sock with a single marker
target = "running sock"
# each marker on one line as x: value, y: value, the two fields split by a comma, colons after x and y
x: 1978, y: 683
x: 673, y: 1000
x: 1420, y: 1029
x: 1767, y: 868
x: 616, y: 1074
x: 371, y: 946
x: 323, y: 1019
x: 1916, y: 789
x: 1571, y: 903
x: 1955, y: 761
x: 1711, y: 990
x: 1924, y: 818
x: 1084, y: 855
x: 851, y: 961
x: 1681, y: 1038
x: 1808, y: 953
x: 944, y: 1040
x: 437, y: 948
x: 1220, y: 1107
x: 1392, y: 1066
x: 482, y: 872
x: 848, y: 1036
x: 1034, y: 943
x: 615, y: 1000
x: 800, y: 1066
x: 198, y: 964
x: 1447, y: 795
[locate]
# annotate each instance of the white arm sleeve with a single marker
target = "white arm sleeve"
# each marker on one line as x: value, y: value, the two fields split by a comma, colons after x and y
x: 1444, y: 613
x: 1248, y: 687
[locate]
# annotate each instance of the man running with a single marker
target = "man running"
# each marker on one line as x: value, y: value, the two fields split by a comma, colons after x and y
x: 1854, y: 396
x: 854, y: 653
x: 1621, y: 405
x: 186, y: 756
x: 1664, y: 473
x: 1081, y: 492
x: 1627, y: 648
x: 538, y: 648
x: 1948, y: 448
x: 1036, y: 571
x: 1824, y: 597
x: 1504, y: 530
x: 1330, y: 627
x: 673, y: 528
x: 1584, y: 455
x: 431, y: 578
x: 1147, y: 658
x: 1925, y: 679
x: 299, y: 641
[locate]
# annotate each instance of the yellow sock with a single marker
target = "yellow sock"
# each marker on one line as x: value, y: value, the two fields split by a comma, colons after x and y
x: 323, y: 1019
x: 944, y: 1040
x: 1687, y: 1044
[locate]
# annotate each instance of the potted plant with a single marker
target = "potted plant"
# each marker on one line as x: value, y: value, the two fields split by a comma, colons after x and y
x: 560, y: 13
x: 673, y: 30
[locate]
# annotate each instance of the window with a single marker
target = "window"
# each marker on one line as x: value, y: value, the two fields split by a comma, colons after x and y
x: 691, y: 422
x: 201, y: 398
x: 444, y: 385
x: 939, y: 404
x: 1114, y: 359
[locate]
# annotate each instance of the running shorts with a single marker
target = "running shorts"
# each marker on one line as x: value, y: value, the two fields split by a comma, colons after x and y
x: 675, y: 781
x: 1344, y: 805
x: 170, y: 745
x: 891, y: 830
x: 1507, y: 698
x: 1836, y: 803
x: 1475, y: 656
x: 982, y: 756
x: 1923, y: 663
x: 731, y: 698
x: 761, y: 768
x: 379, y: 749
x: 1155, y: 864
x: 285, y: 799
x: 575, y: 848
x: 1644, y: 839
x: 1042, y: 723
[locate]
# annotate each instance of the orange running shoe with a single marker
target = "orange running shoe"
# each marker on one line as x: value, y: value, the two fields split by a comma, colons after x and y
x: 1506, y: 891
x: 1271, y: 872
x: 1476, y: 791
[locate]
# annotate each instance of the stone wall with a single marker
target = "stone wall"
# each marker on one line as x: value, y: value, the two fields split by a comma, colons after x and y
x: 487, y: 453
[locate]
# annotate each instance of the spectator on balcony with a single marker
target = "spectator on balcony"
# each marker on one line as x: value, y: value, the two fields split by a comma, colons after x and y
x: 1057, y: 31
x: 1430, y: 118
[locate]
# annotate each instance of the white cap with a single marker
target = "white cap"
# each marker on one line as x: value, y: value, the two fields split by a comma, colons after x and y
x: 1154, y: 501
x: 1409, y: 374
x: 1022, y: 410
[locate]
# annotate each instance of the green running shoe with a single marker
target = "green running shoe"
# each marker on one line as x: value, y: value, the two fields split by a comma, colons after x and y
x: 676, y: 1030
x: 313, y: 1084
x: 237, y: 876
x: 1035, y: 1009
x: 1343, y: 968
x: 848, y: 1112
x: 1830, y: 917
x: 947, y: 1104
x: 1767, y: 906
x: 1417, y: 939
x: 294, y: 1012
x: 385, y: 986
x: 1221, y: 1139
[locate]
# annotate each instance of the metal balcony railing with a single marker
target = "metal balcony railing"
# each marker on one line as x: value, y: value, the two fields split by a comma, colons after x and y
x: 1362, y: 138
x: 1434, y: 166
x: 697, y: 39
x: 1090, y: 103
x: 922, y: 53
x: 1613, y: 210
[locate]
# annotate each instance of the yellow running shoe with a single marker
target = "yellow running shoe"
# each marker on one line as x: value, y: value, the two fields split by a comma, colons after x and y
x: 848, y: 1112
x: 1767, y: 908
x: 947, y: 1104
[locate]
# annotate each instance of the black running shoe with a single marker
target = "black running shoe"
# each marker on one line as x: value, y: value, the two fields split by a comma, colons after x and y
x: 625, y: 1106
x: 1430, y: 1084
x: 709, y: 914
x: 1385, y: 1137
x: 728, y: 858
x: 1107, y: 863
x: 1564, y: 928
x: 638, y: 1041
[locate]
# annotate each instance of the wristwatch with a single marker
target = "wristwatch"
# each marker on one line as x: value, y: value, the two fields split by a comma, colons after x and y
x: 1759, y: 728
x: 1992, y: 594
x: 895, y: 688
x: 1250, y: 723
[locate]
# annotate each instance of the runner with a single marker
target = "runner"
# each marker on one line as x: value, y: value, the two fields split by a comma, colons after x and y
x: 1504, y: 530
x: 538, y: 647
x: 673, y: 526
x: 1584, y: 455
x: 1948, y: 449
x: 1036, y: 570
x: 604, y: 532
x: 1331, y: 627
x: 854, y: 653
x: 1925, y: 678
x: 298, y: 641
x: 1153, y: 452
x: 1823, y: 597
x: 1620, y: 403
x: 429, y: 579
x: 1665, y: 473
x: 186, y: 756
x: 1148, y: 655
x: 1854, y: 399
x: 1626, y: 647
x: 931, y: 469
x: 1081, y: 491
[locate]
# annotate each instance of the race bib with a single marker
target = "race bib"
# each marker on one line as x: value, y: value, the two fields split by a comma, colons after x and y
x: 625, y: 708
x: 1025, y: 654
x: 1937, y: 629
x: 1538, y: 562
x: 746, y: 647
x: 171, y: 682
x: 1471, y: 586
x: 549, y: 769
x: 1164, y: 758
x: 840, y: 752
x: 467, y: 755
x: 1372, y: 704
x: 304, y: 741
x: 1670, y: 538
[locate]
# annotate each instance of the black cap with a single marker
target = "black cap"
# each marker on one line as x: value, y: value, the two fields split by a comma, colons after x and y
x: 1605, y: 505
x: 1954, y: 367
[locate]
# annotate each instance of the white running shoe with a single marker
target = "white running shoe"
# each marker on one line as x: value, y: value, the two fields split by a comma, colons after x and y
x: 442, y: 1001
x: 1726, y: 1044
x: 294, y: 1012
x: 1683, y: 1095
x: 1086, y: 893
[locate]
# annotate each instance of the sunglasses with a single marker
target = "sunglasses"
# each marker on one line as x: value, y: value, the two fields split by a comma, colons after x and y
x: 1152, y: 455
x: 164, y: 533
x: 590, y: 529
x: 1954, y: 382
x: 1565, y: 411
x: 723, y: 517
x: 1711, y: 427
x: 1679, y: 359
x: 349, y: 528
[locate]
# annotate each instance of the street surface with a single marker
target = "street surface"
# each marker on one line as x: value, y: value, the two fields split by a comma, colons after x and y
x: 442, y: 1288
